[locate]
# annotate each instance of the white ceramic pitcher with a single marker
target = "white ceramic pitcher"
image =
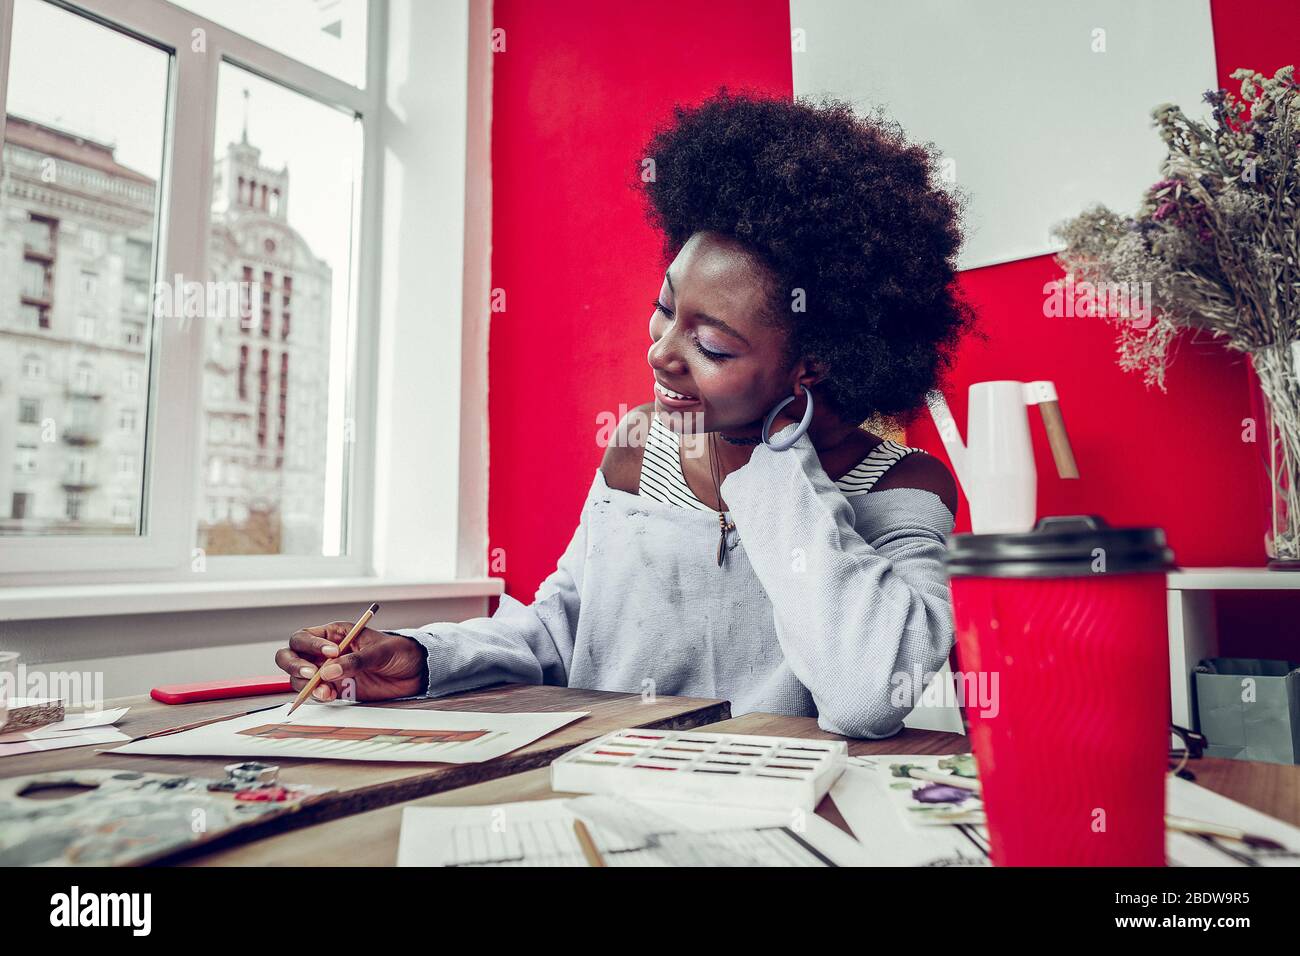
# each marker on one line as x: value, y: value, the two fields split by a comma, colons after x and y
x: 996, y: 464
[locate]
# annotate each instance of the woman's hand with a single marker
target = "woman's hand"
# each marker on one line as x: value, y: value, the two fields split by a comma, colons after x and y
x: 376, y: 666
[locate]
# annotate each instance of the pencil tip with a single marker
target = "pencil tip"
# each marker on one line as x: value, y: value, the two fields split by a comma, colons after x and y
x: 374, y: 608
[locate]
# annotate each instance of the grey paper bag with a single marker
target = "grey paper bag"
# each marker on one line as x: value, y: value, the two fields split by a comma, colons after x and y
x: 1249, y: 709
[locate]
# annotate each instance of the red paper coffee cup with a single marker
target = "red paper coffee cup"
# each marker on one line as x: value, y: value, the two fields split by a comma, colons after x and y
x: 1068, y: 622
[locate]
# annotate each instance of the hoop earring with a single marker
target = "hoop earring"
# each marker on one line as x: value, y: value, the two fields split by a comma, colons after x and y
x: 798, y: 432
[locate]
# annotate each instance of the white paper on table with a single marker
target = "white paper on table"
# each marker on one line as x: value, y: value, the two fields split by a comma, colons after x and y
x: 540, y: 833
x: 75, y: 724
x: 1185, y: 799
x: 84, y: 738
x: 865, y: 804
x: 468, y: 737
x: 822, y: 835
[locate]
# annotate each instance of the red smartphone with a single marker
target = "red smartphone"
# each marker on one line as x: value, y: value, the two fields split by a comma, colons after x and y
x: 221, y: 689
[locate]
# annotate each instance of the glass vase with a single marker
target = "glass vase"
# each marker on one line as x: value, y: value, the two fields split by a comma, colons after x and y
x: 1277, y: 369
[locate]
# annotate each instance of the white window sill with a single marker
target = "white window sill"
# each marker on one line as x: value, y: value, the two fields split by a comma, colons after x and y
x: 98, y: 600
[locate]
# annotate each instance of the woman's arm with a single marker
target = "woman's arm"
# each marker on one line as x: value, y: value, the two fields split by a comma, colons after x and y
x: 860, y: 604
x: 520, y: 643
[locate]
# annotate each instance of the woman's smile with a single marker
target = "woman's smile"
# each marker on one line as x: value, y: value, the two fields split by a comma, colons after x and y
x: 674, y: 400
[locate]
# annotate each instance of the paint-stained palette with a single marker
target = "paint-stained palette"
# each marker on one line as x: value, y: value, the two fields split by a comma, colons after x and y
x: 726, y: 769
x: 123, y: 817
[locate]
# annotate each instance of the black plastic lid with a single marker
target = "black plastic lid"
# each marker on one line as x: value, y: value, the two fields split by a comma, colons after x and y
x: 1060, y: 546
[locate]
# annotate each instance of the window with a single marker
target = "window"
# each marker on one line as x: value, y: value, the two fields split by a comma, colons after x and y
x: 104, y: 142
x: 18, y: 508
x: 33, y: 367
x: 32, y: 316
x: 261, y: 156
x: 37, y: 280
x: 25, y: 461
x: 79, y: 470
x: 139, y: 257
x: 92, y: 240
x: 38, y: 235
x: 83, y: 379
x: 293, y: 148
x: 329, y: 35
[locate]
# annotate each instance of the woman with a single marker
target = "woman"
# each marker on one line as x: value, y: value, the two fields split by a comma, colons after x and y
x: 755, y: 543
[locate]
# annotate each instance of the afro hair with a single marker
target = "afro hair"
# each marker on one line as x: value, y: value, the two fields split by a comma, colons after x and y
x: 843, y: 209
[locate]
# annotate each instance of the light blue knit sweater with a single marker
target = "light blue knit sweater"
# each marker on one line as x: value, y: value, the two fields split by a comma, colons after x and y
x: 824, y: 600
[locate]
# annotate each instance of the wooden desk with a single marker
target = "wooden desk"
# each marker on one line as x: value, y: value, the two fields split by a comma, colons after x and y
x: 370, y: 839
x: 360, y: 786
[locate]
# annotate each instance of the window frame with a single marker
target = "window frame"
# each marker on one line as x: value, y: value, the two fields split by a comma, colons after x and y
x: 166, y: 545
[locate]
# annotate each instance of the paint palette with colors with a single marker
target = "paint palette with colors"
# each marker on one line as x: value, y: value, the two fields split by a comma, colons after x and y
x: 777, y: 773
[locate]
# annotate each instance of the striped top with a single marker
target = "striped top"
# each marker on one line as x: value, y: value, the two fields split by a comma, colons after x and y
x: 662, y: 479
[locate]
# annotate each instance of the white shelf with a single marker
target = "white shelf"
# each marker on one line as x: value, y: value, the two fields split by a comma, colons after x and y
x: 1233, y: 579
x: 1193, y: 625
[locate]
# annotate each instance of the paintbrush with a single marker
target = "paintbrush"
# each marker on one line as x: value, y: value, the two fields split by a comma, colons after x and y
x: 357, y: 628
x: 1203, y: 828
x: 951, y: 779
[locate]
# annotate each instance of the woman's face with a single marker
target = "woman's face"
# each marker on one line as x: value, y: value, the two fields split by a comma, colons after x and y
x: 713, y: 342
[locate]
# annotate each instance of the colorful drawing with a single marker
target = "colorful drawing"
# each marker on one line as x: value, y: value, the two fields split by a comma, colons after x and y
x: 345, y: 731
x: 374, y: 735
x: 922, y: 790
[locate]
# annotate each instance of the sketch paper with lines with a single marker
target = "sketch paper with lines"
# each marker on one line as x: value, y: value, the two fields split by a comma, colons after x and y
x: 627, y: 833
x: 344, y: 731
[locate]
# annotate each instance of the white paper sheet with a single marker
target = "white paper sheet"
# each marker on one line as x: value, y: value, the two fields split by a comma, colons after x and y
x: 868, y: 809
x: 343, y: 731
x: 1186, y: 799
x: 540, y: 833
x: 77, y: 723
x: 79, y: 730
x: 80, y: 738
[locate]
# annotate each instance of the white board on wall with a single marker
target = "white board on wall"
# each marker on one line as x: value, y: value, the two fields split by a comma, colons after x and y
x: 1040, y: 107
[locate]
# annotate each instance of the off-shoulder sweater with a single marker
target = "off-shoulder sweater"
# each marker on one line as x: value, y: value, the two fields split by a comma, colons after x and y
x: 826, y: 604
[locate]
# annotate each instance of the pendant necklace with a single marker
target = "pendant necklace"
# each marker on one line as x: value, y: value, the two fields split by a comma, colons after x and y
x: 724, y: 525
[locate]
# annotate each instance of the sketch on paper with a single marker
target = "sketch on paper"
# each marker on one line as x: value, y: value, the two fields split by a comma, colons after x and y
x: 344, y: 731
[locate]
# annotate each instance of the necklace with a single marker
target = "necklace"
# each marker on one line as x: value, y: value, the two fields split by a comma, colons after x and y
x: 723, y: 524
x: 741, y: 441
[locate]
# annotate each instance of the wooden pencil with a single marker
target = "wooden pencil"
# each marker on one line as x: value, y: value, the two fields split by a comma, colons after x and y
x: 357, y: 628
x: 588, y: 844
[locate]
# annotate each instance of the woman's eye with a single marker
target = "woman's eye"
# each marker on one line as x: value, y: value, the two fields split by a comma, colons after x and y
x: 709, y: 354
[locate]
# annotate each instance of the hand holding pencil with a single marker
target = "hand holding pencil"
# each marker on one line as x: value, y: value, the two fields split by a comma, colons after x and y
x: 373, y: 666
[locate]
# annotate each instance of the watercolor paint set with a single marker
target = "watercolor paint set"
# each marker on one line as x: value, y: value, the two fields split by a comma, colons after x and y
x: 738, y: 770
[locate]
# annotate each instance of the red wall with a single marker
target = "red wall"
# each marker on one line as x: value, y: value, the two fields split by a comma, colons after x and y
x: 577, y: 92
